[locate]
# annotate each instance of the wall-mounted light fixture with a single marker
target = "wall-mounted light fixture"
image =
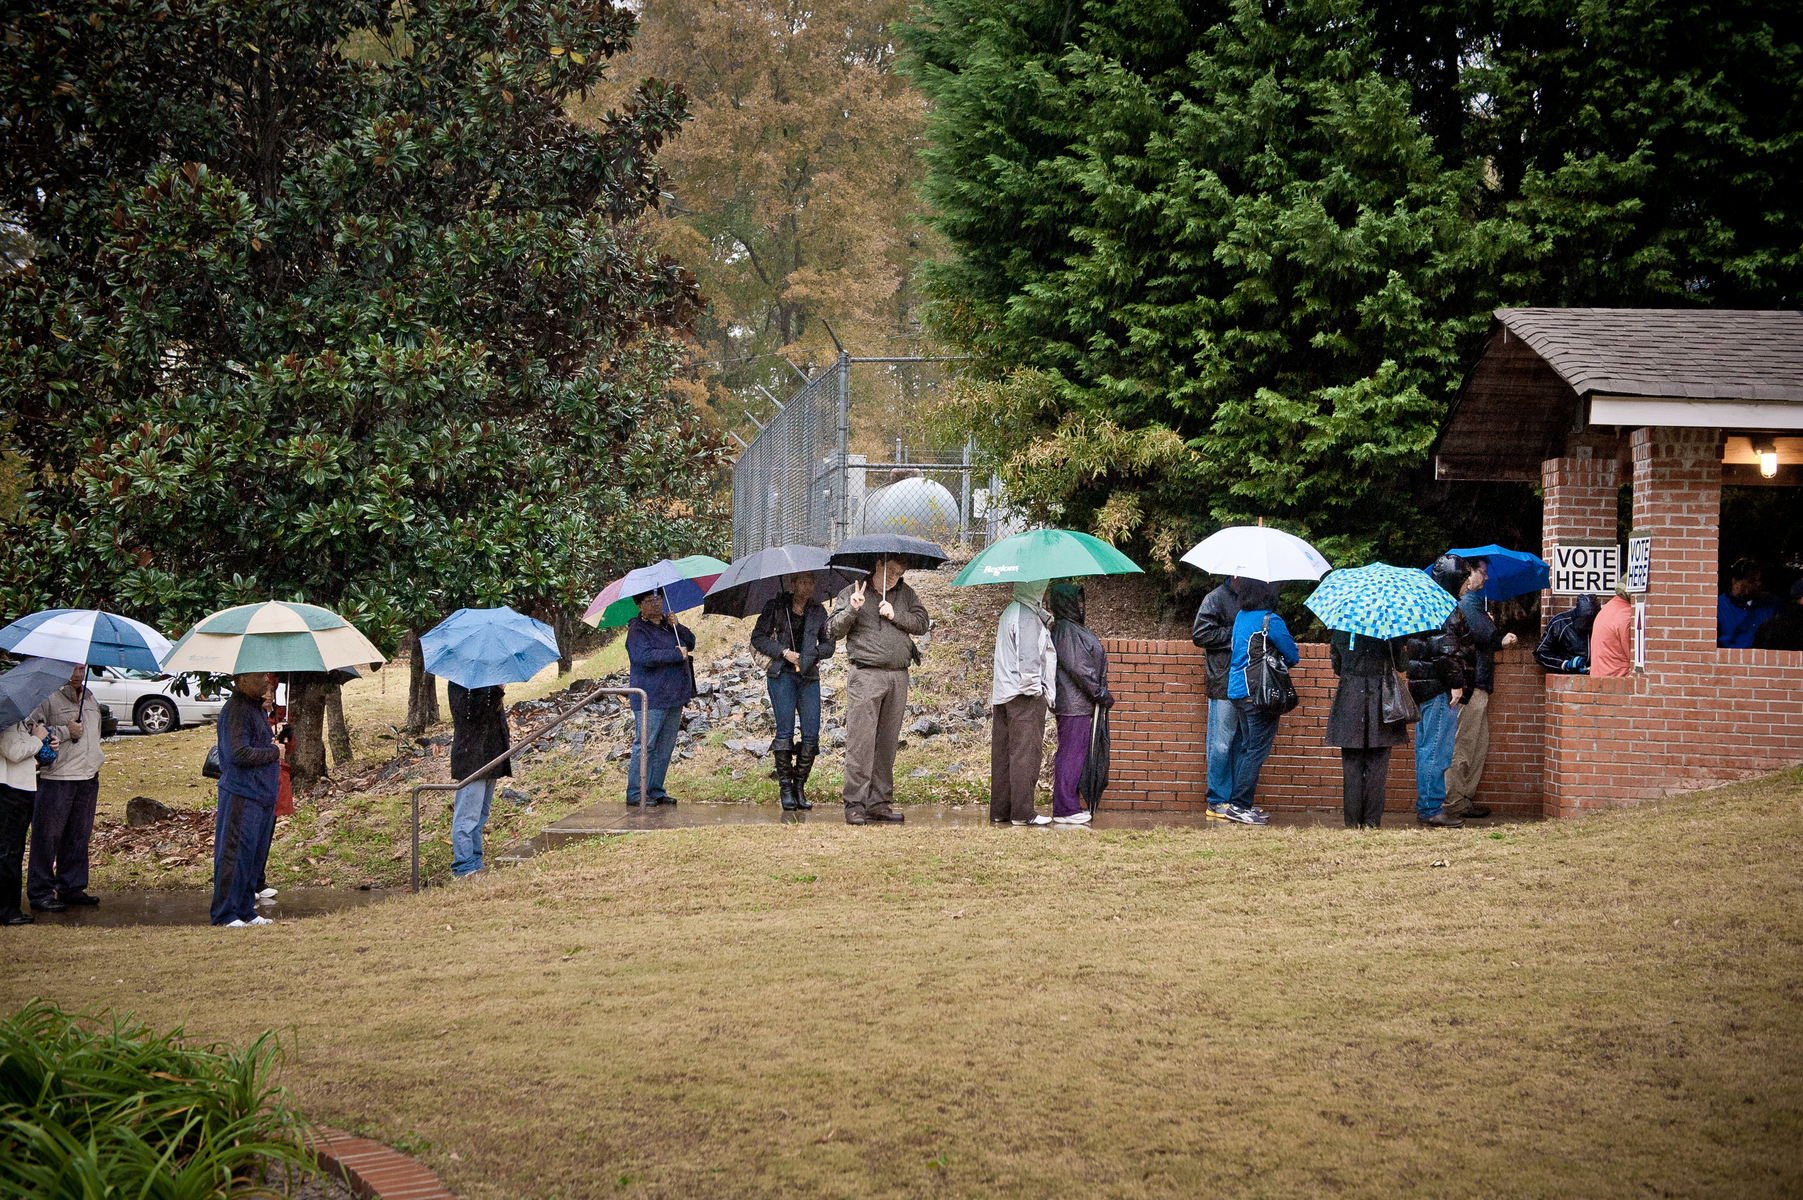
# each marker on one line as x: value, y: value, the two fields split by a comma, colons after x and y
x: 1767, y: 451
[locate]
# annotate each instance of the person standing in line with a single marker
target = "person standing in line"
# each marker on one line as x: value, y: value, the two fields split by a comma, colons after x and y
x: 791, y: 633
x: 1564, y: 648
x: 1213, y: 632
x: 1082, y: 684
x: 1024, y: 684
x: 1743, y: 607
x: 1438, y: 680
x: 879, y: 643
x: 19, y: 748
x: 1612, y: 639
x: 250, y: 779
x: 658, y: 648
x: 62, y: 819
x: 1356, y: 724
x: 1471, y: 741
x: 1785, y: 630
x: 479, y: 735
x: 1257, y: 728
x: 277, y: 715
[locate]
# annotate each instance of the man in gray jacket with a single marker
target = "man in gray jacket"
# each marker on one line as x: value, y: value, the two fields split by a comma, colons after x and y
x: 62, y: 819
x: 877, y: 619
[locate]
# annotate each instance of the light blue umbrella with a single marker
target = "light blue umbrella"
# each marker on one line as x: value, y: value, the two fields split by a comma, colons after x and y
x: 485, y: 647
x: 1381, y: 601
x: 1511, y: 572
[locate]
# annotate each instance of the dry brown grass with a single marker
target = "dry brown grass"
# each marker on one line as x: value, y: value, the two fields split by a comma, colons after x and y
x: 1606, y: 1007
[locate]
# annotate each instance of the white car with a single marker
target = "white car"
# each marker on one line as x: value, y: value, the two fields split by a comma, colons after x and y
x: 150, y: 701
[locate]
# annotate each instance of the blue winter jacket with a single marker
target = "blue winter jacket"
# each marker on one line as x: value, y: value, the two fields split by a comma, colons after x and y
x: 1249, y: 622
x: 1736, y: 621
x: 249, y: 763
x: 657, y: 665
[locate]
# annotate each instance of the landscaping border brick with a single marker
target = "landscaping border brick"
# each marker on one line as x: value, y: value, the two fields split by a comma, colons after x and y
x: 374, y: 1171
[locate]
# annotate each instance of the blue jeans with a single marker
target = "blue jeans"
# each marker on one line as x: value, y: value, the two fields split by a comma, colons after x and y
x: 240, y: 833
x: 1257, y: 730
x: 469, y: 815
x: 1433, y: 753
x: 651, y: 751
x: 1223, y: 725
x: 789, y: 692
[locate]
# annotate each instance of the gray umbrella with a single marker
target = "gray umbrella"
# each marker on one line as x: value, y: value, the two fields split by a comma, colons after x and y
x: 28, y: 685
x: 863, y: 551
x: 753, y: 581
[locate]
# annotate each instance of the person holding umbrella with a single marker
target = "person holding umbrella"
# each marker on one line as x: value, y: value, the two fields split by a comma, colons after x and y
x: 1257, y: 727
x: 1471, y: 740
x: 62, y: 819
x: 658, y: 648
x: 22, y: 689
x: 791, y: 632
x: 250, y: 766
x: 1082, y: 693
x: 1356, y: 722
x: 1440, y: 665
x: 1025, y: 681
x: 877, y: 619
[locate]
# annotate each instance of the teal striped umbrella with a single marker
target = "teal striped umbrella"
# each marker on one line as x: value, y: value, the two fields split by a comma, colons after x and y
x: 1045, y: 554
x: 273, y: 636
x: 1381, y: 601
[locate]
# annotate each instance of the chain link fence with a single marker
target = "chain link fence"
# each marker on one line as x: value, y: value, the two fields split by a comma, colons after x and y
x: 799, y: 482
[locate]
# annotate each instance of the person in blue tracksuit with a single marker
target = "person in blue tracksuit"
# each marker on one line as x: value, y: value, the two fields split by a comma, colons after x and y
x: 1257, y: 729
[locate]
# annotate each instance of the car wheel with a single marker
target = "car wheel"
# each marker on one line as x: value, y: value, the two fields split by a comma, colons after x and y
x: 157, y: 716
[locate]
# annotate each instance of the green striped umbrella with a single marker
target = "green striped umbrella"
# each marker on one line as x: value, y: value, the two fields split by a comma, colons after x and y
x: 1045, y: 554
x: 275, y: 636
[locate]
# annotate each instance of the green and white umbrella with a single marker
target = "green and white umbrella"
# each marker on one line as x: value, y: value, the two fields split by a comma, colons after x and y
x: 276, y: 636
x: 1045, y: 554
x: 1381, y: 601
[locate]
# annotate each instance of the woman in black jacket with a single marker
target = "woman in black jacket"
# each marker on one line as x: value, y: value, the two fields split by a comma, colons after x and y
x: 1356, y: 724
x: 1082, y: 685
x: 478, y: 735
x: 791, y: 632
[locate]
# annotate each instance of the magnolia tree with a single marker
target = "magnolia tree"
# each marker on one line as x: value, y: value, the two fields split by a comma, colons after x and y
x: 327, y: 309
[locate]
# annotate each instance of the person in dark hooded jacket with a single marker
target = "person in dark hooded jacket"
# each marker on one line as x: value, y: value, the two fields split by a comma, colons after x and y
x: 1082, y: 684
x: 1355, y: 723
x: 1564, y: 648
x: 1440, y: 669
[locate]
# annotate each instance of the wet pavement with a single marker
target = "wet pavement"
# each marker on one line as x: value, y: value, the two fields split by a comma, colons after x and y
x: 189, y: 906
x: 611, y: 818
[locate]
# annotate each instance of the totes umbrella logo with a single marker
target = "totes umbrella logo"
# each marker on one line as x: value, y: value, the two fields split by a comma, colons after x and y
x: 1000, y: 571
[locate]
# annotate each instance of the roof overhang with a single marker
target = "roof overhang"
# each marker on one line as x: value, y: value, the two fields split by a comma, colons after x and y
x: 1635, y: 411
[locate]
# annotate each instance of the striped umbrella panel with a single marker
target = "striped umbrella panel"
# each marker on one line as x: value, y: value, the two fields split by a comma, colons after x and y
x: 84, y: 635
x: 306, y: 650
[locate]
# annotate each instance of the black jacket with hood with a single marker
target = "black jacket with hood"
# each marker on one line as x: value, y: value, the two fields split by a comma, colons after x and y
x: 1213, y: 632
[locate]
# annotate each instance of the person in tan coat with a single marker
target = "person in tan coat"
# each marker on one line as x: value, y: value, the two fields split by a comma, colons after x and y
x: 877, y: 619
x: 62, y: 819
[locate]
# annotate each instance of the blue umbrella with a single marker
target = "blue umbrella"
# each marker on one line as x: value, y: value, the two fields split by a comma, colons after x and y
x: 28, y: 685
x: 1511, y: 572
x: 84, y: 635
x: 1380, y: 601
x: 484, y: 647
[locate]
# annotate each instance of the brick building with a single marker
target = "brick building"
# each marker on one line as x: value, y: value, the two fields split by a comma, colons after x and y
x: 1580, y: 401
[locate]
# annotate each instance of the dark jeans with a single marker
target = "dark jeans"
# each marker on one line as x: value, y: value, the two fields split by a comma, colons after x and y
x: 651, y: 752
x: 1251, y: 746
x: 62, y: 825
x: 240, y: 835
x: 791, y: 694
x: 15, y: 818
x: 1365, y: 774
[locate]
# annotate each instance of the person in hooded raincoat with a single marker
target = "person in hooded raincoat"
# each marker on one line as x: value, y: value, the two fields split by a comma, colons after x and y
x: 1025, y: 684
x: 1355, y: 723
x: 1082, y: 684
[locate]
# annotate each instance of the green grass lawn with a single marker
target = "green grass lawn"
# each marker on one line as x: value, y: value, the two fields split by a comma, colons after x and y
x: 1604, y: 1007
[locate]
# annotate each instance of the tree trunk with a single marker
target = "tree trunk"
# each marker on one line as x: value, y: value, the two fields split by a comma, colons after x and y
x: 306, y: 716
x: 338, y: 737
x: 422, y: 689
x: 566, y: 633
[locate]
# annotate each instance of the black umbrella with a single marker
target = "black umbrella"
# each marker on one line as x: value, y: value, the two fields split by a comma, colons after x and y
x: 863, y: 551
x: 1093, y: 779
x: 753, y: 581
x: 28, y: 685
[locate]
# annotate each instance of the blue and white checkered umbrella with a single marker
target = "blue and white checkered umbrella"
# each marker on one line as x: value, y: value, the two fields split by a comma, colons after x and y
x: 1381, y: 601
x: 82, y: 635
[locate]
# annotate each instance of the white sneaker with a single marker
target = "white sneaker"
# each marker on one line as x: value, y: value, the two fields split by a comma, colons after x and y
x: 1038, y: 819
x: 1078, y: 818
x: 234, y: 925
x: 266, y: 894
x: 259, y: 921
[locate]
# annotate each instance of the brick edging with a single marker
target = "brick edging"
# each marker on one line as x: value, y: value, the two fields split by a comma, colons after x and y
x: 374, y: 1171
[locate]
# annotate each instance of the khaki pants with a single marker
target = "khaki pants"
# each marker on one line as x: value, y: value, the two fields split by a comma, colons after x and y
x: 1016, y: 748
x: 875, y: 703
x: 1470, y: 747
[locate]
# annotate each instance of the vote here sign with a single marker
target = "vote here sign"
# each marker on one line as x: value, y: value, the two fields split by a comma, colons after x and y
x: 1585, y: 570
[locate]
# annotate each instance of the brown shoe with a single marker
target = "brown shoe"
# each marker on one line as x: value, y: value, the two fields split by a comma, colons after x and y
x: 855, y: 816
x: 1440, y: 821
x: 887, y: 816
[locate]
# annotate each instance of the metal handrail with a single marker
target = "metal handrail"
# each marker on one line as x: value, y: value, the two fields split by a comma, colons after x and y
x: 516, y: 748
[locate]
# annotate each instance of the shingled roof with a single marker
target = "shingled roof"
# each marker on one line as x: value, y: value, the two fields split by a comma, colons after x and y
x: 1684, y: 353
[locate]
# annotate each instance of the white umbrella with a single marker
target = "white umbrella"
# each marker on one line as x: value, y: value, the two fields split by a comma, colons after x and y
x: 1257, y: 552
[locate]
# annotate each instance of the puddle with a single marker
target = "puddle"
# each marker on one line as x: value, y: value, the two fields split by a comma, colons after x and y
x: 187, y: 906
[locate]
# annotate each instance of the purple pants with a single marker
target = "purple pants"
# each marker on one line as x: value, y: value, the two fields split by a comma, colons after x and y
x: 1067, y: 764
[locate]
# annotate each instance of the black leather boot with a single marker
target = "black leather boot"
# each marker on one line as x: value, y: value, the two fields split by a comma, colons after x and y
x: 783, y: 753
x: 805, y: 754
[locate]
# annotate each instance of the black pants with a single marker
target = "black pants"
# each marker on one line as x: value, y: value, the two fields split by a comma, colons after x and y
x: 15, y: 819
x: 1365, y: 776
x: 62, y: 825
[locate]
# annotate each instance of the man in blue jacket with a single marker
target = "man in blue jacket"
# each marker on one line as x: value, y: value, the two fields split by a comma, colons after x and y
x: 658, y: 649
x: 1744, y: 607
x: 250, y: 778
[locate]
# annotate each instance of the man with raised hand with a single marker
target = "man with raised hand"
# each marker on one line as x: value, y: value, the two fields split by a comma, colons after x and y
x: 877, y: 619
x: 62, y: 819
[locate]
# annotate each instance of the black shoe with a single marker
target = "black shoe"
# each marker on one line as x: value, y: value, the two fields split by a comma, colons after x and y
x: 664, y: 800
x: 49, y: 906
x: 15, y: 918
x: 1440, y: 821
x: 1473, y: 812
x: 635, y: 804
x: 887, y: 816
x: 80, y: 898
x: 805, y: 754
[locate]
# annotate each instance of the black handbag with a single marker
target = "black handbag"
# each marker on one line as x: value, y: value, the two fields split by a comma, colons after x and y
x: 211, y: 769
x: 1398, y: 703
x: 1268, y: 685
